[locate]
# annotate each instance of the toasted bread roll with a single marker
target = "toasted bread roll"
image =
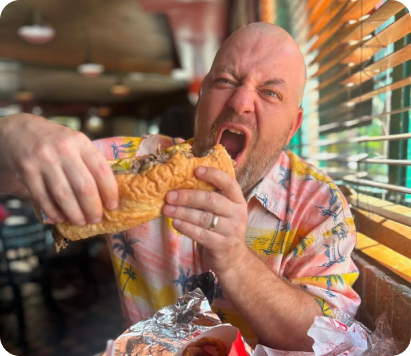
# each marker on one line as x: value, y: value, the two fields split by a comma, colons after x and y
x: 142, y: 194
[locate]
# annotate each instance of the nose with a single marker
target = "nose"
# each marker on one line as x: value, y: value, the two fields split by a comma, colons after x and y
x: 242, y: 101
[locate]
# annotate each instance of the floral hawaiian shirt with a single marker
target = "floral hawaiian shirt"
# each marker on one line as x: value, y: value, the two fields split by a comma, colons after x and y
x: 298, y: 222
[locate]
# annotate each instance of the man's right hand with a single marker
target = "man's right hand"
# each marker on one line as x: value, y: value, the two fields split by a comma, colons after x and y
x: 56, y: 167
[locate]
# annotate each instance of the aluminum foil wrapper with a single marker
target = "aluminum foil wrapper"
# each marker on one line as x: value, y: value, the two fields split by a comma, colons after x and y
x: 169, y: 328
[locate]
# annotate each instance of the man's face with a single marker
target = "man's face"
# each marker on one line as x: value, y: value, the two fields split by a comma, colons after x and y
x: 250, y: 103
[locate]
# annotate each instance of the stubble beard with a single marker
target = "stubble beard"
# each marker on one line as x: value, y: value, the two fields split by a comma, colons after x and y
x: 259, y: 160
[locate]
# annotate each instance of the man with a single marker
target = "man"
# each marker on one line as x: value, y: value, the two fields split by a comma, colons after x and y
x: 278, y: 238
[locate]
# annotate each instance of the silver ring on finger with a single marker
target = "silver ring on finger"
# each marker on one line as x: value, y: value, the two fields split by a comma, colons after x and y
x: 214, y: 222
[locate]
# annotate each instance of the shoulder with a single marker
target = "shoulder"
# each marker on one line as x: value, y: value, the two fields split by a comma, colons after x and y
x: 313, y: 189
x: 305, y: 170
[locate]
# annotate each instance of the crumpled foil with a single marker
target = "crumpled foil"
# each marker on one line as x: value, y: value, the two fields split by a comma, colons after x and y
x: 169, y: 328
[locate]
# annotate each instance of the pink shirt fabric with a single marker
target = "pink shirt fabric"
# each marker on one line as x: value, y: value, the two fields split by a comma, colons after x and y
x: 299, y: 223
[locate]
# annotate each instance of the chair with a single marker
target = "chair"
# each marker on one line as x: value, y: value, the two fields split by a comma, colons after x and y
x: 24, y: 252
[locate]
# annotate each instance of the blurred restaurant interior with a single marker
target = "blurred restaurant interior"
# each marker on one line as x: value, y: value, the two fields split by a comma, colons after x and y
x: 134, y: 67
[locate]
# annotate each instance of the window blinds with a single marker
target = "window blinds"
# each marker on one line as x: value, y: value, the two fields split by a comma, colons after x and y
x: 357, y: 102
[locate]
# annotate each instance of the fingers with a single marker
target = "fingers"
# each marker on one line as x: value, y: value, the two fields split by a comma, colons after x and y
x: 68, y: 191
x: 193, y: 211
x: 93, y: 184
x: 84, y: 191
x: 39, y: 193
x: 63, y: 196
x: 200, y: 218
x: 104, y: 179
x: 227, y: 185
x: 227, y: 204
x: 199, y: 199
x: 62, y: 171
x: 206, y: 238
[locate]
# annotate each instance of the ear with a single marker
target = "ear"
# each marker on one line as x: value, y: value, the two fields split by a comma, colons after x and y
x: 296, y: 124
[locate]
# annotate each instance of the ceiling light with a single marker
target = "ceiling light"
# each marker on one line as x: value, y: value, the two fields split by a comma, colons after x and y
x: 94, y: 124
x: 37, y: 110
x: 351, y: 84
x: 350, y: 104
x: 352, y: 22
x: 120, y: 89
x: 365, y: 38
x: 351, y: 64
x: 104, y: 111
x: 24, y: 95
x: 154, y: 129
x: 353, y: 43
x: 36, y: 33
x: 90, y: 69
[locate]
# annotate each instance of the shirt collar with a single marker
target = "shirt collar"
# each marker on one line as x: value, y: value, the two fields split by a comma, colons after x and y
x: 272, y: 191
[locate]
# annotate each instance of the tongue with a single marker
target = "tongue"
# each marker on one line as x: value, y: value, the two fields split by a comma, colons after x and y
x: 232, y: 142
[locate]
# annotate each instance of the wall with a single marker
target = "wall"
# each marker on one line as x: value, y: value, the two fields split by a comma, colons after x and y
x: 383, y: 291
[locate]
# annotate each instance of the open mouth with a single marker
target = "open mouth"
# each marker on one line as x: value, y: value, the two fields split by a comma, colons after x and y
x: 234, y: 141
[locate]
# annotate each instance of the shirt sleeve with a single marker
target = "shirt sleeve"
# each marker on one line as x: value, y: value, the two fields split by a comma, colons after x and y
x: 118, y: 147
x: 126, y: 147
x: 321, y: 262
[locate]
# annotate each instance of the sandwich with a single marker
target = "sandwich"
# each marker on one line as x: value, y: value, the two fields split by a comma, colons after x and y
x: 143, y: 183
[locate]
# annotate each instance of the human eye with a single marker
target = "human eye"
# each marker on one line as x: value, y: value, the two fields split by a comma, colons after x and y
x: 270, y: 95
x: 224, y: 81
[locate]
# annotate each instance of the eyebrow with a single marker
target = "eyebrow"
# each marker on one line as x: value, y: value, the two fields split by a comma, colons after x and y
x: 273, y: 81
x: 276, y: 81
x: 225, y: 69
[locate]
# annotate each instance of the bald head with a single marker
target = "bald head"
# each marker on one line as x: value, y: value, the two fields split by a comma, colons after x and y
x: 271, y: 41
x: 255, y: 86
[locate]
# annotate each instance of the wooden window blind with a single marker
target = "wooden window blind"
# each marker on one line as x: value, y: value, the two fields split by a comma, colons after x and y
x: 357, y: 111
x: 358, y: 92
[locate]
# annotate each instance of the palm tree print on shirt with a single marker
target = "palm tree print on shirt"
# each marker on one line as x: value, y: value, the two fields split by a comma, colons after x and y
x: 285, y: 228
x: 130, y: 275
x: 333, y: 252
x: 324, y: 306
x: 124, y: 148
x: 286, y: 174
x: 184, y: 280
x: 301, y: 245
x: 329, y: 282
x: 125, y: 247
x: 308, y: 177
x: 330, y: 211
x: 264, y: 201
x: 269, y: 250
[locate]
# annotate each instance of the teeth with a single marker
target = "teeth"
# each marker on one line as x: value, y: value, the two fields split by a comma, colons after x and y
x: 238, y: 132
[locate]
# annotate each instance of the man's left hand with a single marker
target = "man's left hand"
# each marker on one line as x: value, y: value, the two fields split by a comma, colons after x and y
x: 193, y: 212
